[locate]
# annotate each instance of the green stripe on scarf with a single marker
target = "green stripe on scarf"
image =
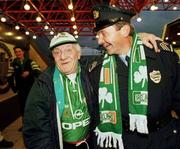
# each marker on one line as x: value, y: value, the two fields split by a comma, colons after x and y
x: 109, y: 131
x: 59, y: 90
x: 138, y: 87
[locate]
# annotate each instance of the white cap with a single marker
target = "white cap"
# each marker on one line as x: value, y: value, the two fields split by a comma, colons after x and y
x: 62, y: 38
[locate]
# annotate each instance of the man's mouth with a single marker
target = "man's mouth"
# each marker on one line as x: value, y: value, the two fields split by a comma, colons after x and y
x: 107, y: 46
x: 65, y: 62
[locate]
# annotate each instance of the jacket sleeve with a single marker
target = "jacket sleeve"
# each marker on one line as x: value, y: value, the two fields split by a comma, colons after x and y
x: 37, y: 130
x: 35, y: 69
x: 176, y: 90
x: 10, y: 78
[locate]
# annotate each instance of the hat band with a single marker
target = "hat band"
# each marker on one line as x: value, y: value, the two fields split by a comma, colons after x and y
x: 105, y: 23
x: 61, y: 43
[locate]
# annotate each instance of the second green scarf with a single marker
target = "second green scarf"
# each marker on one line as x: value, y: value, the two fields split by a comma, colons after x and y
x: 109, y: 131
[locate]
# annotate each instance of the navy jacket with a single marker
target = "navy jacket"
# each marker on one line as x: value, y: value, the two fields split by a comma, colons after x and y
x: 40, y: 121
x: 163, y: 96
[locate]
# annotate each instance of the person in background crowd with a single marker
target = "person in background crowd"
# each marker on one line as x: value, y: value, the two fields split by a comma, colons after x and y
x: 4, y: 143
x: 60, y: 111
x: 137, y: 87
x: 21, y: 75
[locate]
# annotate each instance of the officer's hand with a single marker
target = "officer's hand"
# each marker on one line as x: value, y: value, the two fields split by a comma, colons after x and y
x: 25, y: 74
x: 174, y: 114
x: 149, y: 40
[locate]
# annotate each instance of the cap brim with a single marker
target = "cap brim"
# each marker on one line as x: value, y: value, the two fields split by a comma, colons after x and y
x: 61, y: 43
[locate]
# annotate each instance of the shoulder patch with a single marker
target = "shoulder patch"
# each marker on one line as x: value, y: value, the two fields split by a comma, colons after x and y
x: 165, y: 47
x: 92, y: 66
x: 95, y: 63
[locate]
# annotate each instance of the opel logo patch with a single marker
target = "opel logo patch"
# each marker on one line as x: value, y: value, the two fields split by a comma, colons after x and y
x: 78, y: 114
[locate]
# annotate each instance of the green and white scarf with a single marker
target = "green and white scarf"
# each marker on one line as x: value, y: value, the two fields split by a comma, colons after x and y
x: 109, y: 131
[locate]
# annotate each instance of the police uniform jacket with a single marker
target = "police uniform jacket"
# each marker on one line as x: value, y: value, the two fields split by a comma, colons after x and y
x: 163, y: 95
x: 40, y: 121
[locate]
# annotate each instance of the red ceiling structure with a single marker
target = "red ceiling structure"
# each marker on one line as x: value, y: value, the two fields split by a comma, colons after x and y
x: 56, y: 15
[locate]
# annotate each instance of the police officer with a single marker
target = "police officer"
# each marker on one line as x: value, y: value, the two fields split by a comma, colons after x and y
x: 137, y: 87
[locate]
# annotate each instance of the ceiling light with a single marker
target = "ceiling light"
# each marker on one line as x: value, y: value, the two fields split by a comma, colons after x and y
x: 73, y: 19
x: 74, y: 26
x: 27, y: 7
x: 27, y: 32
x: 174, y: 8
x: 76, y: 36
x: 18, y: 37
x: 139, y: 19
x: 178, y: 33
x: 113, y: 5
x: 34, y: 36
x: 17, y: 27
x: 167, y: 38
x: 38, y: 19
x: 70, y: 6
x: 153, y: 7
x: 166, y: 0
x: 3, y: 19
x: 51, y: 32
x: 174, y: 42
x: 8, y: 33
x: 75, y: 32
x: 46, y: 27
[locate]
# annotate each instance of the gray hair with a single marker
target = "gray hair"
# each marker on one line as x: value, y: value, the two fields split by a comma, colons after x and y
x: 77, y: 47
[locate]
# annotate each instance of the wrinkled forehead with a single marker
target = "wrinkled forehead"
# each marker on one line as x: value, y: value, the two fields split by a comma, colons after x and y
x: 106, y: 29
x: 64, y: 47
x: 18, y: 50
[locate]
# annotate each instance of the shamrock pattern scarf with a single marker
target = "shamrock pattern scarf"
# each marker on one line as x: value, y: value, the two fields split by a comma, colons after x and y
x: 109, y: 131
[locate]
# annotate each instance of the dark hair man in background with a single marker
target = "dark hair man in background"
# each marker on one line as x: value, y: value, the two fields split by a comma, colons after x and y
x: 21, y: 75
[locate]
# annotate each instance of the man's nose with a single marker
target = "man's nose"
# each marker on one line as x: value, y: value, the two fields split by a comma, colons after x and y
x: 100, y: 40
x: 63, y: 55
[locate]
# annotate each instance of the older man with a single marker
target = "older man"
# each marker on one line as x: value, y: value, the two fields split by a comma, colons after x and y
x: 59, y: 108
x: 137, y: 87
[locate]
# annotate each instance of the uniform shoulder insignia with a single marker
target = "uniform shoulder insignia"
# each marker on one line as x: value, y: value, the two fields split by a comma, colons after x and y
x: 92, y: 66
x: 165, y: 46
x: 96, y: 62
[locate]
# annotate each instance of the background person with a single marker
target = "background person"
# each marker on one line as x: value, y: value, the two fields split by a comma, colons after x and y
x: 21, y: 75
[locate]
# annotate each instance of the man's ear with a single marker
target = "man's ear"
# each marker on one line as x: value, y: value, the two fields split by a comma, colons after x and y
x: 125, y: 30
x: 79, y: 55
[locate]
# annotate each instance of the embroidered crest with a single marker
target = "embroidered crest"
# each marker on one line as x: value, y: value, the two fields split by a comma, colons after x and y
x: 96, y: 14
x: 155, y: 76
x: 108, y: 117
